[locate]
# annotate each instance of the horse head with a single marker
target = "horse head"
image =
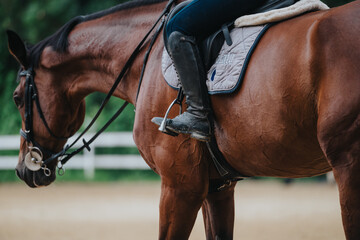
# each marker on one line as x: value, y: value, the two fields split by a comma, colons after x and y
x: 49, y: 112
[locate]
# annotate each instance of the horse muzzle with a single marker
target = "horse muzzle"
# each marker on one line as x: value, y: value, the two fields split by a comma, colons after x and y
x: 32, y: 173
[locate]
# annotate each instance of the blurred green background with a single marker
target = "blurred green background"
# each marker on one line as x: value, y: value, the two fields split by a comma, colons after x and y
x: 33, y: 21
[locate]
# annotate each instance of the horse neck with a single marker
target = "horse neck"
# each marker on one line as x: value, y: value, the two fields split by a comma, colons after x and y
x: 98, y: 49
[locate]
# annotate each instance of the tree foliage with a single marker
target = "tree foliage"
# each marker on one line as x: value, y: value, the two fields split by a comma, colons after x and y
x: 34, y: 20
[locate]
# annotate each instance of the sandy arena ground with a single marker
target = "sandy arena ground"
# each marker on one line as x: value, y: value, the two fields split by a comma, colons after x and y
x: 264, y: 211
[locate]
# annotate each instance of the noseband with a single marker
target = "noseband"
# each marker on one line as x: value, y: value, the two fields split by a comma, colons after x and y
x: 34, y: 158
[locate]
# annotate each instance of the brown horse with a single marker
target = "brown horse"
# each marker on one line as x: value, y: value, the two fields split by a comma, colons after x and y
x: 296, y: 115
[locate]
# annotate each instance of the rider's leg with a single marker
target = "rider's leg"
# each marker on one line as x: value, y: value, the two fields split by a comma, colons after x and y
x: 192, y: 24
x: 188, y: 64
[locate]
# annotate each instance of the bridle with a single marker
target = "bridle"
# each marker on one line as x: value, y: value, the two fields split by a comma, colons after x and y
x: 34, y: 158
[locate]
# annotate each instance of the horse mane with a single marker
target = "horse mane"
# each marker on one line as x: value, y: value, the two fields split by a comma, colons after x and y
x: 59, y: 40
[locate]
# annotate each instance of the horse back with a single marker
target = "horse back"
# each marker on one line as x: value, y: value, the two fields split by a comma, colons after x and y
x: 270, y: 126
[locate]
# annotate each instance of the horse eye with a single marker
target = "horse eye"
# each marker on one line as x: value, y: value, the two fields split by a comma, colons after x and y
x: 18, y: 101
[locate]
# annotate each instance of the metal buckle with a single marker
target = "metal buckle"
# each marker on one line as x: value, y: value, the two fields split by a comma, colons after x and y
x: 61, y: 169
x: 33, y: 159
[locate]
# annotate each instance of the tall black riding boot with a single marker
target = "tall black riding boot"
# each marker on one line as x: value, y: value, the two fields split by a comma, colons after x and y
x: 188, y: 64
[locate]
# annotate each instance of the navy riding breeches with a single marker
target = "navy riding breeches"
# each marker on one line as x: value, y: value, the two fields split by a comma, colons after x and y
x: 203, y: 17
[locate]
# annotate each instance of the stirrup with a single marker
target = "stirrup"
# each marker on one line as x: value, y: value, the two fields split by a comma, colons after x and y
x: 162, y: 121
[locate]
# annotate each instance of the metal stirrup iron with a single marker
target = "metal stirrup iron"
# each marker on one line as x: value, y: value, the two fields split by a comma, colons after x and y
x: 179, y: 99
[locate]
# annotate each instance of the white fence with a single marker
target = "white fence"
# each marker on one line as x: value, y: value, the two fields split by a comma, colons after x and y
x: 88, y: 161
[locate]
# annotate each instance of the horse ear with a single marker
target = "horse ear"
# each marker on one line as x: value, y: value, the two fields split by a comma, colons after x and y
x: 17, y: 48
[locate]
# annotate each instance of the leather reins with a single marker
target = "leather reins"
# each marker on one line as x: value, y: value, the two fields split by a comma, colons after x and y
x: 34, y: 158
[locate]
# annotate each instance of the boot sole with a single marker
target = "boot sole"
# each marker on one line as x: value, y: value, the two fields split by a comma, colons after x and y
x: 196, y: 135
x: 173, y: 132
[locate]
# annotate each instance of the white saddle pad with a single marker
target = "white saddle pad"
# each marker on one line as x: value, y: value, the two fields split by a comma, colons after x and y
x: 226, y: 73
